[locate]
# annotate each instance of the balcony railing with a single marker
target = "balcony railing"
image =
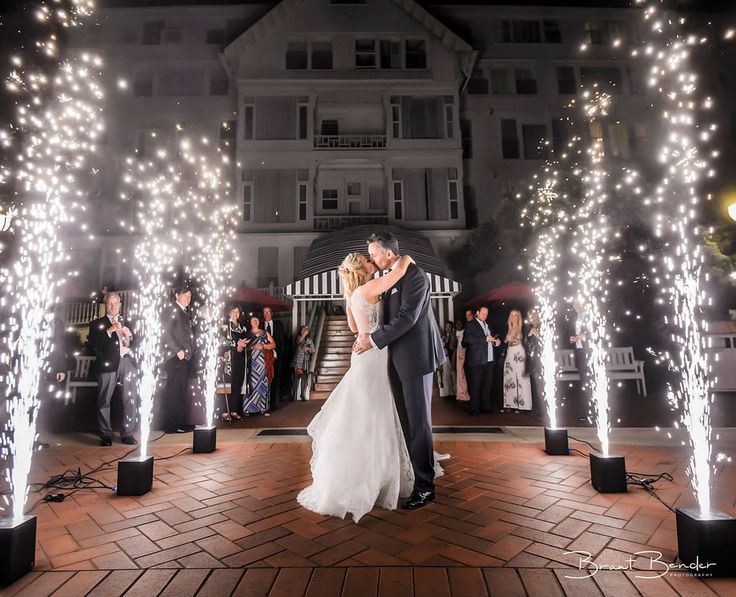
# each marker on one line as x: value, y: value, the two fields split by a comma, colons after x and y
x: 350, y: 141
x: 337, y: 222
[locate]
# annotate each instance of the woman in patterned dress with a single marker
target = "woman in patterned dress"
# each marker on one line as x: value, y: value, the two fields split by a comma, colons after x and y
x: 517, y: 390
x: 256, y: 388
x: 233, y: 364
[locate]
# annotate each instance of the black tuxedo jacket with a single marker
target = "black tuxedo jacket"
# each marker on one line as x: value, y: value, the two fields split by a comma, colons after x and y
x: 279, y: 336
x: 178, y: 333
x: 106, y: 349
x: 410, y: 330
x: 475, y: 344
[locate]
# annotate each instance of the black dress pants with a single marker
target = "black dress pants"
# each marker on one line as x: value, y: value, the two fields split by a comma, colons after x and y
x: 176, y: 394
x: 480, y: 386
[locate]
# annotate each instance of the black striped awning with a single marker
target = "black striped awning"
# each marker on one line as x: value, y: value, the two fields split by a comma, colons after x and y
x: 327, y: 285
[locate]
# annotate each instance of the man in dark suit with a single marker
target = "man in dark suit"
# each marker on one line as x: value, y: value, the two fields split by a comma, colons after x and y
x: 415, y: 351
x: 478, y: 341
x: 178, y: 338
x: 281, y: 364
x: 110, y: 341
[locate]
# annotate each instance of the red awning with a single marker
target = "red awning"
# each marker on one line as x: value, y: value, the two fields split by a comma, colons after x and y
x: 513, y: 291
x: 251, y: 296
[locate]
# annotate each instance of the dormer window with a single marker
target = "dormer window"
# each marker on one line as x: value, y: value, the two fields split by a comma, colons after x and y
x: 415, y: 51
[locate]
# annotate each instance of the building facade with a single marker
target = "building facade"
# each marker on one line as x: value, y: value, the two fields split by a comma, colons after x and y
x: 352, y: 112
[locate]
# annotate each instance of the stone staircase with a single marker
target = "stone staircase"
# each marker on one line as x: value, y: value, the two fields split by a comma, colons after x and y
x: 335, y: 348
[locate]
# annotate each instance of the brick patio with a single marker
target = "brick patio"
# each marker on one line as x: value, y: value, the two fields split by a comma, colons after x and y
x: 228, y: 523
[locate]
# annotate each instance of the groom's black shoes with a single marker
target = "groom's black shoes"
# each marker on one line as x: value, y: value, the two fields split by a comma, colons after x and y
x: 418, y: 499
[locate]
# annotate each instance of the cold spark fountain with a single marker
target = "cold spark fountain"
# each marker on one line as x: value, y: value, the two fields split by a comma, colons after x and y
x: 704, y: 534
x: 56, y: 130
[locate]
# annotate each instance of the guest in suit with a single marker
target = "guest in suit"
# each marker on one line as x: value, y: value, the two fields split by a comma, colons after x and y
x: 178, y: 339
x: 579, y: 340
x: 110, y: 341
x: 478, y: 341
x: 281, y: 355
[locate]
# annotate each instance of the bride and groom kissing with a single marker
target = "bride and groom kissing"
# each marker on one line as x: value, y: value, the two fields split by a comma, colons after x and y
x: 372, y: 439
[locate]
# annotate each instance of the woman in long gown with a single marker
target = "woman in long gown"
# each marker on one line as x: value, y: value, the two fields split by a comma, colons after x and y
x: 256, y: 387
x: 461, y: 384
x: 232, y: 373
x: 359, y: 456
x: 517, y: 390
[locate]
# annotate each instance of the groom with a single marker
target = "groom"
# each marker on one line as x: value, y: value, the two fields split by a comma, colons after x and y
x: 415, y: 351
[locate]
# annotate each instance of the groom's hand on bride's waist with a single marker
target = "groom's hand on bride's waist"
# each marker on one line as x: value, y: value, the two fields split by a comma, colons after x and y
x: 362, y: 344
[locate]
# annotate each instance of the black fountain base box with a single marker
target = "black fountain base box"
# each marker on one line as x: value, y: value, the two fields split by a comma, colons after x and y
x: 555, y: 442
x: 205, y: 440
x: 135, y: 475
x: 705, y: 542
x: 608, y: 473
x: 17, y: 547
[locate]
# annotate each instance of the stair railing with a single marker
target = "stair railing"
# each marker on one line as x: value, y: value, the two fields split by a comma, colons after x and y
x: 320, y: 313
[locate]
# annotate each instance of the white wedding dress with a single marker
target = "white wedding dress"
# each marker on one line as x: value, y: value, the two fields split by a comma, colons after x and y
x: 359, y: 456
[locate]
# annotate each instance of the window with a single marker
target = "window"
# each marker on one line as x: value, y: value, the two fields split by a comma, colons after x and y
x: 467, y: 136
x: 296, y: 55
x: 215, y: 36
x: 398, y: 189
x: 608, y: 78
x: 452, y: 193
x: 605, y: 32
x: 639, y: 138
x: 618, y: 141
x: 365, y: 53
x: 227, y: 137
x: 415, y: 52
x: 249, y: 119
x: 396, y: 117
x: 552, y: 33
x: 329, y: 198
x: 354, y: 197
x: 321, y: 55
x: 152, y: 33
x: 637, y: 82
x: 449, y: 117
x: 301, y: 117
x: 560, y: 134
x: 509, y: 139
x: 175, y: 82
x: 595, y: 129
x: 143, y: 84
x: 526, y: 84
x: 534, y: 141
x: 478, y: 84
x: 390, y: 54
x: 247, y: 201
x: 501, y: 82
x: 301, y: 194
x: 329, y: 128
x: 377, y: 198
x: 520, y: 32
x: 354, y: 189
x: 268, y: 266
x: 219, y: 82
x: 422, y: 117
x: 566, y: 81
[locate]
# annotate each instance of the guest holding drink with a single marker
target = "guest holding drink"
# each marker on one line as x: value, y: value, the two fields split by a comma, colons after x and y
x: 256, y: 388
x: 303, y: 351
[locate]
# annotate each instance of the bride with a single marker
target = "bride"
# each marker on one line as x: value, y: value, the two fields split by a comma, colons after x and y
x: 359, y: 456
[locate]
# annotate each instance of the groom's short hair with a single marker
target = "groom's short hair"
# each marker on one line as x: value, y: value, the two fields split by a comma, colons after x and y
x: 386, y: 240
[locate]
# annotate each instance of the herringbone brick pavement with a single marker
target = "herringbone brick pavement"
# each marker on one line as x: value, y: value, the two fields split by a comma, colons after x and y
x: 228, y: 523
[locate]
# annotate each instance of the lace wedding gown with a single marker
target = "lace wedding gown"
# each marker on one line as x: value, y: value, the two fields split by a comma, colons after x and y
x: 359, y: 456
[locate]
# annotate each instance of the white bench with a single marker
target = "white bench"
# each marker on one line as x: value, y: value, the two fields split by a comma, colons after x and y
x: 79, y: 377
x: 620, y: 364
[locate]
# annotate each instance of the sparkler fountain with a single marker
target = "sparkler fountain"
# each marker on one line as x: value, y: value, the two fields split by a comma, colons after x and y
x: 704, y: 534
x: 57, y: 128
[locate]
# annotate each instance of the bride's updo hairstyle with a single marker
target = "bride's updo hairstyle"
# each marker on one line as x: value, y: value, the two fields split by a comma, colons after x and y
x: 352, y: 273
